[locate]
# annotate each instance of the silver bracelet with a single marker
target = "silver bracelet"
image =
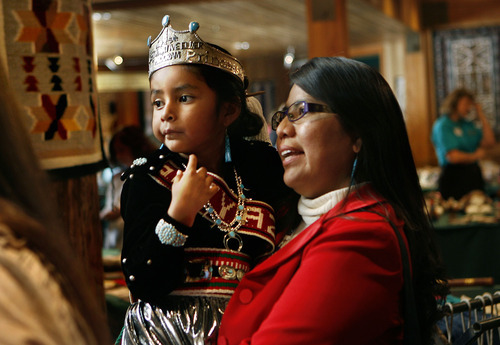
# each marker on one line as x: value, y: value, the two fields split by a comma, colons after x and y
x: 168, y: 234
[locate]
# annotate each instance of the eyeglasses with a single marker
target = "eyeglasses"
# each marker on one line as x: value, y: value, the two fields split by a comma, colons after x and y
x: 297, y: 111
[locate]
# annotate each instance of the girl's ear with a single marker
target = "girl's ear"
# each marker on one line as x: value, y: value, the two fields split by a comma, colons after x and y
x: 230, y: 111
x: 357, y: 145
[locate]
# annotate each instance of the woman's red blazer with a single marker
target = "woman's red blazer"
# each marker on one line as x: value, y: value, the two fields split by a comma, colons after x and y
x: 338, y: 282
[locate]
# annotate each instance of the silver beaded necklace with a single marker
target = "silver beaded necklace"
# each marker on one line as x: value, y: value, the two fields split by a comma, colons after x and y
x: 231, y: 228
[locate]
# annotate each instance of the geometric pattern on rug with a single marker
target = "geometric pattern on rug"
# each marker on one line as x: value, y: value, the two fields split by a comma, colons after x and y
x: 50, y: 65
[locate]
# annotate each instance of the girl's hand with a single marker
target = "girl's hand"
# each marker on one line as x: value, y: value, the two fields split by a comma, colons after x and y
x: 191, y: 189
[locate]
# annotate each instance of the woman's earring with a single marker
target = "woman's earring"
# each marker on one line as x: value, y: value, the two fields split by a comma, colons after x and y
x: 227, y: 152
x: 354, y: 167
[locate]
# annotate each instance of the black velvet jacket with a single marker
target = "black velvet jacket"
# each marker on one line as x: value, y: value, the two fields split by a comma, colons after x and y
x: 153, y: 270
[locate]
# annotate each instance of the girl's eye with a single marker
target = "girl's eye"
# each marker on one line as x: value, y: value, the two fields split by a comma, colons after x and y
x: 157, y: 104
x: 185, y: 98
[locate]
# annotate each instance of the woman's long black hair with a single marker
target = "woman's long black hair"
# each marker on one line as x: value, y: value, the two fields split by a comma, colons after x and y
x: 368, y: 109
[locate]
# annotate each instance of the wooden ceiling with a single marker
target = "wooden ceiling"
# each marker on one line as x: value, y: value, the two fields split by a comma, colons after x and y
x: 268, y: 26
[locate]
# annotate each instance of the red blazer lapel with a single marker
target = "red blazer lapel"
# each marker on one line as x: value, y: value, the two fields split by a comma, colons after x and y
x: 365, y: 196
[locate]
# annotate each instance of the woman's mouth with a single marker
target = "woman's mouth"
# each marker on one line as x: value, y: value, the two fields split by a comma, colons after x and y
x: 287, y: 155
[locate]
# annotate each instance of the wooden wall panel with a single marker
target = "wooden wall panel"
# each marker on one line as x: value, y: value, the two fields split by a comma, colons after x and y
x: 269, y: 68
x: 458, y: 12
x: 78, y: 202
x: 418, y: 117
x: 328, y: 35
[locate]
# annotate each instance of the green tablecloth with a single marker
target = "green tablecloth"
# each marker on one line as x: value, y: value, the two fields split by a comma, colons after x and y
x: 469, y: 250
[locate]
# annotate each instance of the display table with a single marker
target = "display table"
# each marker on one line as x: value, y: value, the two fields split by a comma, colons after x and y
x: 469, y: 250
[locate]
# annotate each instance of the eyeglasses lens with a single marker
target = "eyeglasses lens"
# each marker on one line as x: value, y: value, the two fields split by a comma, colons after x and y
x: 276, y: 120
x: 296, y: 111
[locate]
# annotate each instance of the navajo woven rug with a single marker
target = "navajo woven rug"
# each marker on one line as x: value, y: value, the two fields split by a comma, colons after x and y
x: 48, y: 49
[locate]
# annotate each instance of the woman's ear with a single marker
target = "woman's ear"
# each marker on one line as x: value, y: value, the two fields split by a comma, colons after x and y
x: 357, y: 145
x: 230, y: 112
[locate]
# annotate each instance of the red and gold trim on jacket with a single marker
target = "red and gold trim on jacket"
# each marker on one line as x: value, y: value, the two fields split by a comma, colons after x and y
x: 259, y: 216
x: 213, y: 272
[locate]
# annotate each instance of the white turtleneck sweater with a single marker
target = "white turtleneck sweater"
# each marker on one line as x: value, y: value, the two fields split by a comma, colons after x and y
x: 312, y: 209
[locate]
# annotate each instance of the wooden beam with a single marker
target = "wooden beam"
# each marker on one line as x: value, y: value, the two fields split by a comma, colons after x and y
x: 109, y: 5
x: 327, y: 28
x: 411, y: 15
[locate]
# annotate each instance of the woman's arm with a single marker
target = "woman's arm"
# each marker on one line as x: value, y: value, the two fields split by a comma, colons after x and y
x: 457, y: 156
x: 488, y: 135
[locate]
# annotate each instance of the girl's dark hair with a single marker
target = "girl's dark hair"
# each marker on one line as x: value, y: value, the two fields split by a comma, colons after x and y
x: 230, y: 88
x: 368, y: 109
x: 134, y: 138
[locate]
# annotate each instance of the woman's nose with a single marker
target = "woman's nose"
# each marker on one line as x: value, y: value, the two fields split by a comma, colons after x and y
x: 285, y: 128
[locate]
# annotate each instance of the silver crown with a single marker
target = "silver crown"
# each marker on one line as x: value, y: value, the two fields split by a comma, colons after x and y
x: 173, y: 47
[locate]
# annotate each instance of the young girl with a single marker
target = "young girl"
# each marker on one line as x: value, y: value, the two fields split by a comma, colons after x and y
x: 200, y: 211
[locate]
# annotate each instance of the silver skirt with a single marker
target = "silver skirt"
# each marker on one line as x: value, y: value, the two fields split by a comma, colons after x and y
x: 185, y: 320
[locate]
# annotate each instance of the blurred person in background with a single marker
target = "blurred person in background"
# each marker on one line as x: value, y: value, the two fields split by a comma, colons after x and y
x: 125, y: 146
x: 45, y: 291
x: 460, y: 143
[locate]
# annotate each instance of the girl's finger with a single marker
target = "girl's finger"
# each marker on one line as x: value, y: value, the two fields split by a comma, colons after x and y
x: 213, y: 188
x: 202, y: 171
x: 178, y: 176
x: 192, y: 162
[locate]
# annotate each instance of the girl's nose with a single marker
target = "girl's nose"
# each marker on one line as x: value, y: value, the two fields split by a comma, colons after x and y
x: 168, y: 112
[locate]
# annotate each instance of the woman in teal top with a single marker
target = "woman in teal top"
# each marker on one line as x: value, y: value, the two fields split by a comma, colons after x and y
x: 460, y: 143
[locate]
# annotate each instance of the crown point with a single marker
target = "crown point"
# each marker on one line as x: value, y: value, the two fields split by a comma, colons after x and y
x: 193, y: 26
x: 149, y: 41
x: 165, y: 20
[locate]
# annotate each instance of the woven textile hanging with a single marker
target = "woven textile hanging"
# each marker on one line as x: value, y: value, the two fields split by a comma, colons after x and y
x: 47, y: 49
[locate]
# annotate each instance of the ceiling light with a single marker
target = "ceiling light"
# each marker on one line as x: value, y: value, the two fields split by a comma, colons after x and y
x: 118, y: 60
x: 241, y: 45
x: 114, y: 62
x: 289, y: 57
x: 97, y: 16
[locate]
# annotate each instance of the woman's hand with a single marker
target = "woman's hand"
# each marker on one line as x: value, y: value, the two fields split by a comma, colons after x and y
x: 191, y: 189
x: 488, y: 140
x: 479, y: 109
